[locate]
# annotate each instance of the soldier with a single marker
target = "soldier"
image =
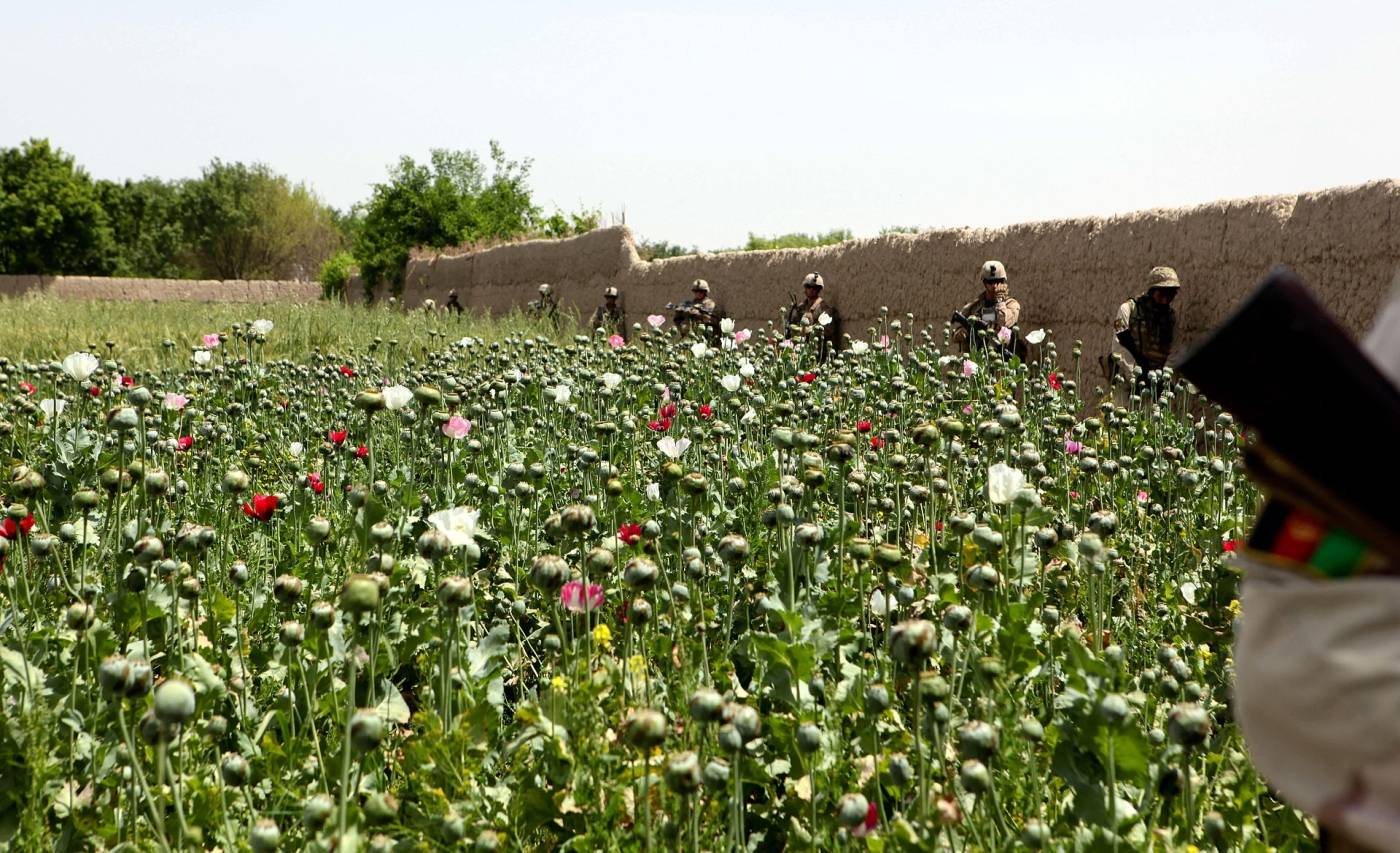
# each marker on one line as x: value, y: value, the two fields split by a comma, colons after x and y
x: 546, y: 307
x: 698, y: 313
x: 1146, y: 325
x: 609, y: 316
x: 994, y: 311
x: 452, y: 303
x: 808, y: 314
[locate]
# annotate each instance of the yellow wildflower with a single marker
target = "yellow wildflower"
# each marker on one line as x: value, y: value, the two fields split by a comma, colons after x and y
x: 602, y: 636
x: 559, y: 682
x: 1235, y: 607
x: 637, y: 664
x: 1205, y: 653
x: 921, y: 539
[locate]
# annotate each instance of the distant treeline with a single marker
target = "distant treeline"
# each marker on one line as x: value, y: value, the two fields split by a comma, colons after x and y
x: 241, y: 221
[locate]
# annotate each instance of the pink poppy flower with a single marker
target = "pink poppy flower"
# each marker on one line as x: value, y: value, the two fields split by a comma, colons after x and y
x: 1072, y: 446
x: 1142, y: 497
x: 969, y: 367
x: 457, y: 427
x: 578, y: 600
x: 616, y: 342
x: 742, y: 335
x: 655, y: 321
x: 211, y: 340
x: 175, y: 402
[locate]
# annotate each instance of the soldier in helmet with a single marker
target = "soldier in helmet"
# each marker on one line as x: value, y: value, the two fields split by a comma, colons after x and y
x: 813, y: 315
x: 452, y: 303
x: 1145, y: 326
x: 698, y: 313
x: 993, y: 314
x: 546, y: 307
x: 609, y: 316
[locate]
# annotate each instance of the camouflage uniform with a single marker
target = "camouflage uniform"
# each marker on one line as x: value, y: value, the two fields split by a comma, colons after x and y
x: 1150, y: 327
x: 805, y: 316
x: 997, y: 311
x: 546, y: 307
x: 609, y: 316
x: 698, y: 314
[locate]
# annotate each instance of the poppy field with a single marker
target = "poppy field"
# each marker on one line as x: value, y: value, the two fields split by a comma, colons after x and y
x: 537, y: 592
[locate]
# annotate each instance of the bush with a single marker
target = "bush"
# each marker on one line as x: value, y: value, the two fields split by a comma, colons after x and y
x: 335, y: 274
x: 757, y: 243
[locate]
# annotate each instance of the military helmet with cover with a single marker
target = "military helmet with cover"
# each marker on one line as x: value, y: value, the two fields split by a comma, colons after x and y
x: 610, y: 293
x: 993, y: 272
x: 701, y: 285
x: 1164, y: 278
x: 544, y: 288
x: 814, y: 279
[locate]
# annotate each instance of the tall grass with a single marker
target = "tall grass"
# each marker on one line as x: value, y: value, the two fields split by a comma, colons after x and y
x: 40, y: 328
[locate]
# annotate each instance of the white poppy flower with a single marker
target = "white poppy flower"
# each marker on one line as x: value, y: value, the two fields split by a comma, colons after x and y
x: 458, y: 524
x: 879, y: 601
x: 612, y: 380
x: 653, y: 491
x: 261, y: 327
x: 52, y: 408
x: 727, y: 326
x: 1003, y: 482
x: 466, y: 342
x: 203, y: 357
x: 296, y: 448
x: 859, y: 347
x: 746, y: 369
x: 698, y: 349
x: 731, y: 383
x: 562, y: 393
x: 80, y: 365
x: 1035, y: 337
x: 824, y: 319
x: 749, y: 416
x: 396, y: 397
x: 674, y: 448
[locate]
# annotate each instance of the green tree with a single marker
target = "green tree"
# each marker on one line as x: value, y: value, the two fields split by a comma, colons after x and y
x: 758, y: 243
x: 447, y: 201
x: 145, y: 218
x: 651, y: 250
x: 246, y: 221
x: 51, y: 220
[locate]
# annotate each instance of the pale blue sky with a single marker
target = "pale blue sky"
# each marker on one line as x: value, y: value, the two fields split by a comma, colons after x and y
x: 707, y: 121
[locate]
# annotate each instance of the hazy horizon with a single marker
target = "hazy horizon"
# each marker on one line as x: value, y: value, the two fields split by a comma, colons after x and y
x: 705, y: 125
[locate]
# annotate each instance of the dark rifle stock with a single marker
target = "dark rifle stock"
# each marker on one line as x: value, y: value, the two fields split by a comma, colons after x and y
x: 1316, y: 403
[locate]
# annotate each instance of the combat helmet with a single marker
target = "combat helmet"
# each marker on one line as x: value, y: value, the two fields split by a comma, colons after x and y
x: 814, y: 279
x: 1164, y: 278
x: 701, y: 285
x: 993, y: 272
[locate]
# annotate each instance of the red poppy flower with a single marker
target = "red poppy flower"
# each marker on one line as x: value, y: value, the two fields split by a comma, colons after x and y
x: 128, y: 382
x: 27, y: 388
x: 10, y: 529
x: 876, y: 442
x: 630, y: 533
x: 184, y: 442
x: 261, y: 508
x: 706, y: 412
x: 95, y: 391
x: 337, y: 436
x: 659, y: 426
x: 347, y: 370
x: 1229, y: 545
x: 1055, y: 381
x: 863, y: 426
x: 938, y: 526
x: 362, y: 451
x: 807, y: 377
x: 667, y: 411
x: 313, y: 482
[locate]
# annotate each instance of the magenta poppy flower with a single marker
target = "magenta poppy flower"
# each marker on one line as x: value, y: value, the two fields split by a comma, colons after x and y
x: 578, y: 600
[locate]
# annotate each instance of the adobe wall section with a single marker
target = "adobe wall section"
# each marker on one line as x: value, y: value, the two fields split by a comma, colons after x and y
x: 158, y: 289
x: 1070, y: 275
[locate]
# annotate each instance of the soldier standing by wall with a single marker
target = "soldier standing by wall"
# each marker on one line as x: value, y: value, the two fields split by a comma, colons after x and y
x: 546, y: 307
x: 1145, y: 326
x: 698, y: 313
x: 609, y: 316
x: 805, y: 316
x: 994, y: 311
x: 452, y: 303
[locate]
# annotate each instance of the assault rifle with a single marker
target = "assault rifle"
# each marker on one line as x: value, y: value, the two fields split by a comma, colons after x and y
x: 1293, y: 375
x: 976, y: 325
